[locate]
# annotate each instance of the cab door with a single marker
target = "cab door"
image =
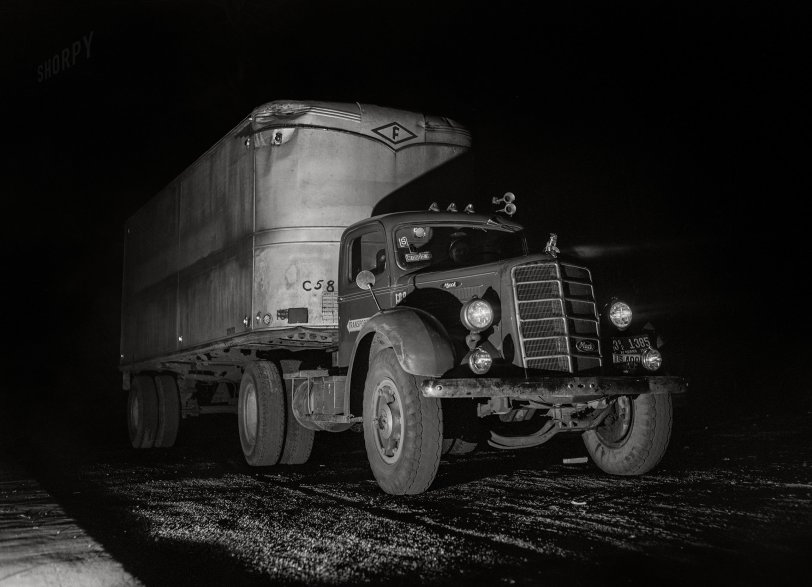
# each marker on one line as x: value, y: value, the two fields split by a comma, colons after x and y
x: 363, y: 249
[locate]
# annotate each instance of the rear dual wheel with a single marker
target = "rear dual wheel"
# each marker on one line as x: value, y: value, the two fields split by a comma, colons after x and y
x: 153, y: 411
x: 269, y: 433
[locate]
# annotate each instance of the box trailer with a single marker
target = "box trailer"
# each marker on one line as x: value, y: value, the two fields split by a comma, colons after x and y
x: 241, y: 250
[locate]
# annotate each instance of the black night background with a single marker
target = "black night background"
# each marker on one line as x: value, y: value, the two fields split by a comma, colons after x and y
x: 663, y: 144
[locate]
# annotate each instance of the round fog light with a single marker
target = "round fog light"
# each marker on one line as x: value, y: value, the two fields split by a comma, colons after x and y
x: 480, y: 361
x: 652, y: 359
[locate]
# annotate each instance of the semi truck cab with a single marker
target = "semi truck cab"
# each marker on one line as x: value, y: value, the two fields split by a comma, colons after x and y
x: 445, y: 308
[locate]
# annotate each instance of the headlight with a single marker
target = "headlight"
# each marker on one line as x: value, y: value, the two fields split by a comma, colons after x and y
x: 620, y: 314
x: 652, y: 359
x: 480, y: 361
x: 477, y: 315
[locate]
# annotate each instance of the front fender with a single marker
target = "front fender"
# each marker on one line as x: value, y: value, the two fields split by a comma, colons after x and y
x: 420, y: 342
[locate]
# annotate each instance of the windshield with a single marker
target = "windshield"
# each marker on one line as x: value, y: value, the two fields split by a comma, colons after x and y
x: 444, y: 246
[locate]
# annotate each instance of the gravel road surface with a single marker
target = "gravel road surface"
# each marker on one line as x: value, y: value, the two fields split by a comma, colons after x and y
x: 730, y: 505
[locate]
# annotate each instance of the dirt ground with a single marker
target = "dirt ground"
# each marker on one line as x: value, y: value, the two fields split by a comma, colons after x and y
x: 730, y: 504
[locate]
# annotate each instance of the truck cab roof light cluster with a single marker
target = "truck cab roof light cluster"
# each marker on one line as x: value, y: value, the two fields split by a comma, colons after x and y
x: 452, y: 207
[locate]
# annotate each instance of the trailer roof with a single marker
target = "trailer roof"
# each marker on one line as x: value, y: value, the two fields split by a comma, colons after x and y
x: 398, y: 129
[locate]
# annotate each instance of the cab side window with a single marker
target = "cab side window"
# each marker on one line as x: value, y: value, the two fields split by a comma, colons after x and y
x: 367, y: 252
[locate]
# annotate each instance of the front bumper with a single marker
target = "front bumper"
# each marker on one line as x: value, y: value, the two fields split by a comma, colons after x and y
x: 553, y: 390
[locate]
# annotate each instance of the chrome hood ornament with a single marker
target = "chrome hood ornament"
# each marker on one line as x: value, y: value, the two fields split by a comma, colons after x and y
x: 551, y: 248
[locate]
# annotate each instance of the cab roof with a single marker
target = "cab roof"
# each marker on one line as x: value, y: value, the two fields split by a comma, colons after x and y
x: 393, y: 219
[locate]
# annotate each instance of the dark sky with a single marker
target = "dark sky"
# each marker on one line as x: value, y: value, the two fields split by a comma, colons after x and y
x: 671, y: 133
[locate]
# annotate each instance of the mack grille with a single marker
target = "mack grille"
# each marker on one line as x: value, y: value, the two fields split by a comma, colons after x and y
x: 555, y: 309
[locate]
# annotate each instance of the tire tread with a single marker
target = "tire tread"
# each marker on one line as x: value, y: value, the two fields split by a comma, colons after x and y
x: 651, y: 433
x: 271, y: 414
x: 166, y: 388
x: 415, y: 472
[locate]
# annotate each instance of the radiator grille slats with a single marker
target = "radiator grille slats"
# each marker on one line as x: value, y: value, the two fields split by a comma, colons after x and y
x: 555, y: 310
x: 545, y: 347
x: 549, y: 364
x: 542, y: 309
x: 542, y: 328
x: 538, y: 290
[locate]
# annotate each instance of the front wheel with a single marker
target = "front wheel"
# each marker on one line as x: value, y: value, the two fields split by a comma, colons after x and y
x: 403, y: 430
x: 633, y: 437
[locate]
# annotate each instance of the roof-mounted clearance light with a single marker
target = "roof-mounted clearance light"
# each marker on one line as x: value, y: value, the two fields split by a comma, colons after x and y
x: 469, y: 209
x: 434, y: 207
x: 452, y: 207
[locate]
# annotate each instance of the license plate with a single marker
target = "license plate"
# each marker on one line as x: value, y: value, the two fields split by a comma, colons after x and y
x: 631, y: 344
x: 627, y: 358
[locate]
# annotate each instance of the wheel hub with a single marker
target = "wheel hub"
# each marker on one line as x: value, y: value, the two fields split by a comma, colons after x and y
x: 615, y: 429
x: 385, y: 421
x: 388, y: 424
x: 249, y: 413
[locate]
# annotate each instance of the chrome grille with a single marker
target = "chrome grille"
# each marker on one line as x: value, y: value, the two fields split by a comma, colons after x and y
x: 538, y: 289
x: 555, y: 308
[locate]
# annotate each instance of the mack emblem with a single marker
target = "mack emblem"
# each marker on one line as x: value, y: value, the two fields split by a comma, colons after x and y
x: 585, y: 346
x: 451, y: 284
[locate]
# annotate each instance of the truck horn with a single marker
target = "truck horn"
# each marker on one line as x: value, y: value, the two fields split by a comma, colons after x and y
x: 510, y: 207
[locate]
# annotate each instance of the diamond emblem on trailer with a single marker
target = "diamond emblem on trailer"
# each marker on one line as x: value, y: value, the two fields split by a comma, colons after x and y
x: 394, y: 132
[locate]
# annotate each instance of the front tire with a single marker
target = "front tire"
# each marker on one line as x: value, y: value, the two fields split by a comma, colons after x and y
x: 261, y: 414
x: 403, y: 430
x: 633, y: 438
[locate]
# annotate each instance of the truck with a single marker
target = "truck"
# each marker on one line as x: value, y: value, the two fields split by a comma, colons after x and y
x: 263, y: 281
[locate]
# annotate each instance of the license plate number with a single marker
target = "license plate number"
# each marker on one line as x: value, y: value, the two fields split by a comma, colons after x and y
x: 631, y: 344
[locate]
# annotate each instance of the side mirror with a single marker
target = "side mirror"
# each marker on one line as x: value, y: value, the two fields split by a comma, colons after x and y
x: 365, y: 279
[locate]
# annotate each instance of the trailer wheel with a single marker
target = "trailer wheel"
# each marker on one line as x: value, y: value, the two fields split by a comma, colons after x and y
x: 633, y: 438
x: 403, y: 430
x: 298, y: 439
x: 261, y: 414
x: 168, y: 410
x: 142, y: 412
